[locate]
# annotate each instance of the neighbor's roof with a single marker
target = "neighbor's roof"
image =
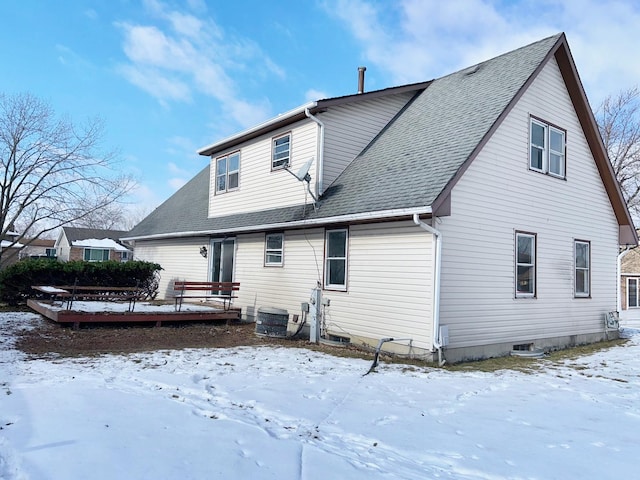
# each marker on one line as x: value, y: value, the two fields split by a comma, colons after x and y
x: 80, y: 236
x: 415, y: 161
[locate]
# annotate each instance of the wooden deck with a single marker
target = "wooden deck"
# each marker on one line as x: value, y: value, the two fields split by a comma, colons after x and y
x: 76, y: 317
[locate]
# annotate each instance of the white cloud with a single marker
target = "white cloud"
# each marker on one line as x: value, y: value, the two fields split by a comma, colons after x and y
x: 417, y: 40
x: 183, y: 55
x: 312, y: 95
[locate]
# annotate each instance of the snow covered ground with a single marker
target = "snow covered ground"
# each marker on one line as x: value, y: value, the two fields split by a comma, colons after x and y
x: 258, y: 413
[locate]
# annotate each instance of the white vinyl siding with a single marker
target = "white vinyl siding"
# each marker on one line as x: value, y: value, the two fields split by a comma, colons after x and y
x: 390, y: 289
x: 180, y: 260
x: 498, y: 195
x: 263, y: 185
x: 350, y: 128
x: 260, y: 187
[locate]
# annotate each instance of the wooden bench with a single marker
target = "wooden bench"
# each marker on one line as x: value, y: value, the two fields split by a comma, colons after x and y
x: 222, y: 290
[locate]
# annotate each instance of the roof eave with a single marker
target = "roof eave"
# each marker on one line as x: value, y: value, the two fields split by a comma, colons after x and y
x: 628, y: 234
x: 298, y: 114
x: 314, y: 222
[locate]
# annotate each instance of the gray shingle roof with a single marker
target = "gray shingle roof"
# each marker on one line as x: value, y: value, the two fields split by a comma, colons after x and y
x: 77, y: 233
x: 409, y: 164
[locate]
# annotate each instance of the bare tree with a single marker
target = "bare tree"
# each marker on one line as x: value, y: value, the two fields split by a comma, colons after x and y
x: 618, y: 118
x: 52, y: 172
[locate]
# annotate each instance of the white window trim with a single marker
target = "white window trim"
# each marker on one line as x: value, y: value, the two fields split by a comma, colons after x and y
x: 273, y: 152
x: 327, y: 285
x: 533, y: 264
x: 268, y: 251
x: 227, y: 173
x: 586, y: 294
x: 546, y: 149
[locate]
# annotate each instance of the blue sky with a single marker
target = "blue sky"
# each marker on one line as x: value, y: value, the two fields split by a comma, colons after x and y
x: 169, y: 77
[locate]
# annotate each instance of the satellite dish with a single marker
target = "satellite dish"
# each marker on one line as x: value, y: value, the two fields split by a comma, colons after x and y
x: 303, y: 176
x: 303, y: 173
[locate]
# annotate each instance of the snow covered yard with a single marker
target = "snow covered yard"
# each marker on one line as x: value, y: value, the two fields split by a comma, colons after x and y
x: 257, y: 413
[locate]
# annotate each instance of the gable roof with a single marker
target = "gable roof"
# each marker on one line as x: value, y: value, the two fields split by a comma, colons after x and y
x: 438, y: 134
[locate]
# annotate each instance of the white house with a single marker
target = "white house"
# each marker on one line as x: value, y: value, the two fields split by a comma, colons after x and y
x: 469, y: 215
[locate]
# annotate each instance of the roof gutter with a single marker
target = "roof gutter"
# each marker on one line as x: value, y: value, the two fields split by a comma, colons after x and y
x: 320, y: 166
x: 353, y: 217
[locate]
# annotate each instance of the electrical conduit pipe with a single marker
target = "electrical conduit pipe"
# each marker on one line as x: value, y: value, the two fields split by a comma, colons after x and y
x: 437, y: 240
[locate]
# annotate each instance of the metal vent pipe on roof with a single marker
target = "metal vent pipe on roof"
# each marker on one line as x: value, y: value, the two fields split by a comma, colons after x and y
x: 361, y: 71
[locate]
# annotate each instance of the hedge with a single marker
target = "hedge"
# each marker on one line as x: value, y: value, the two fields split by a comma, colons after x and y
x: 17, y: 279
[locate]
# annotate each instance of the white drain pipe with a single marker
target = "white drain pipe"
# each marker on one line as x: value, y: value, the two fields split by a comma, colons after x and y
x: 437, y: 240
x: 320, y: 166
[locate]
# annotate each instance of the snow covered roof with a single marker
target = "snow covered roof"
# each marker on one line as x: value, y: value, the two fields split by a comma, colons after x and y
x: 7, y: 243
x: 100, y: 243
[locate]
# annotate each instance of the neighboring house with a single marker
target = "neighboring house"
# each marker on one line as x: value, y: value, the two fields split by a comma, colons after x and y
x: 477, y: 212
x: 39, y: 248
x: 10, y: 248
x: 629, y: 301
x: 92, y: 245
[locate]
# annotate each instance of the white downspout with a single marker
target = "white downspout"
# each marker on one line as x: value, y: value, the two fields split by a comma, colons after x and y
x: 621, y: 255
x: 320, y: 166
x: 437, y: 239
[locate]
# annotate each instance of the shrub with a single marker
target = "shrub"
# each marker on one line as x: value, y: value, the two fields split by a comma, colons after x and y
x: 16, y: 280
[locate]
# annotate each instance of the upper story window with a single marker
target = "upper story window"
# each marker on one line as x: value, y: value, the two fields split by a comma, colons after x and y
x: 273, y: 249
x: 547, y: 152
x: 335, y: 259
x: 582, y: 251
x: 525, y: 264
x: 96, y: 254
x: 281, y: 152
x: 227, y: 172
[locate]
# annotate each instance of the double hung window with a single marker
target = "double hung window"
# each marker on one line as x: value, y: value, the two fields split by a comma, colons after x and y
x: 281, y: 152
x: 273, y: 249
x: 582, y: 252
x: 547, y: 149
x: 525, y: 264
x: 227, y: 172
x: 335, y: 266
